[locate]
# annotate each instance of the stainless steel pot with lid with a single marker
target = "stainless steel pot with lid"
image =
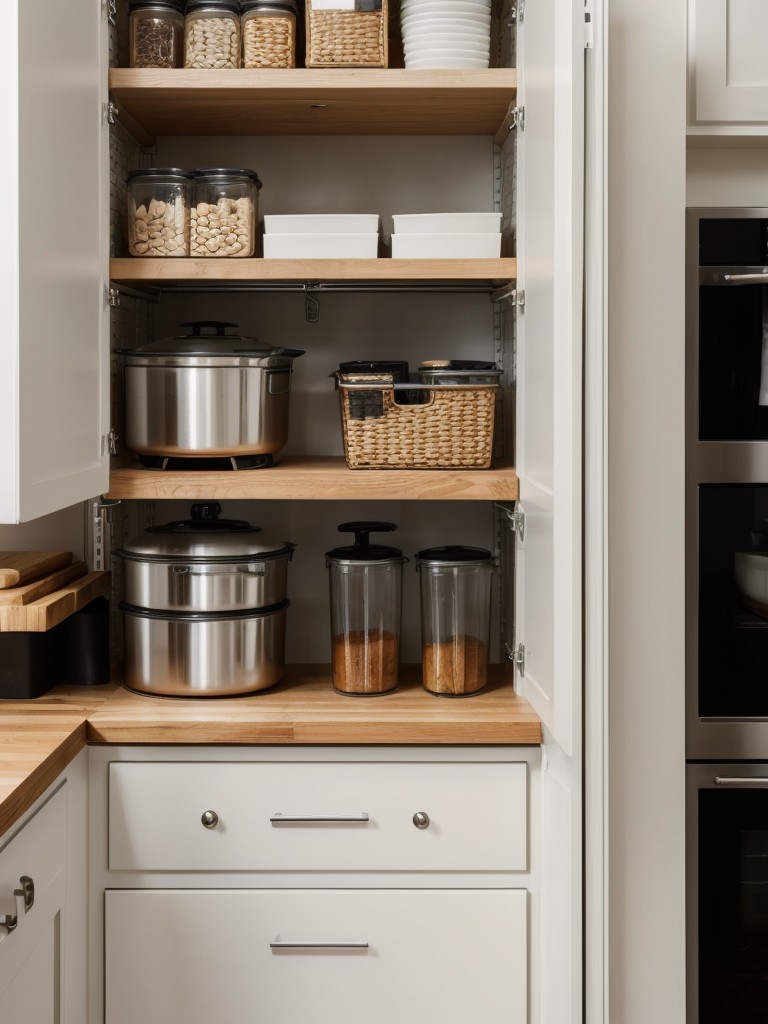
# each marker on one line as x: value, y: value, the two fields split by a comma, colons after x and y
x: 205, y: 564
x: 207, y: 394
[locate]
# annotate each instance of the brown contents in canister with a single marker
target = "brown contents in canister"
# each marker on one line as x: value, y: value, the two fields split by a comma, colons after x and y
x: 157, y: 42
x: 365, y: 662
x: 455, y: 666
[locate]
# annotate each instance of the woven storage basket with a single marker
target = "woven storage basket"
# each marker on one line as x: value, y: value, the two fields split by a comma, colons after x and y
x: 452, y: 430
x: 346, y: 39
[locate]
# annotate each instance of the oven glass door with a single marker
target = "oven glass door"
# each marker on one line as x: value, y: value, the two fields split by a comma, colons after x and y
x: 733, y: 904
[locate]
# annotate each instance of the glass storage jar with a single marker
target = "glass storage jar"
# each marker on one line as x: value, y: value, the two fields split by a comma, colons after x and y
x: 156, y: 33
x: 212, y: 34
x: 455, y: 619
x: 224, y: 212
x: 269, y: 33
x: 158, y: 212
x: 366, y: 587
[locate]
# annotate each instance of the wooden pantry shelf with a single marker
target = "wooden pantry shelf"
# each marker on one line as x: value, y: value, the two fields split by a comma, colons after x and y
x: 317, y: 479
x: 339, y: 101
x: 208, y: 272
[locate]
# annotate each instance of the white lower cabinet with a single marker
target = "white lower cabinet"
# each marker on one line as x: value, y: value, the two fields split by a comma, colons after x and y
x: 294, y: 956
x: 325, y: 885
x: 33, y: 858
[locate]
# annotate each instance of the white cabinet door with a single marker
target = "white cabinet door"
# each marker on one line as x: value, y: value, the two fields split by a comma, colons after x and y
x: 31, y: 965
x: 728, y: 67
x: 338, y: 957
x: 549, y: 354
x: 54, y: 179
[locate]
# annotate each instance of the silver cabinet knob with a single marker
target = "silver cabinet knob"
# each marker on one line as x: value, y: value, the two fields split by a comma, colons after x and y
x: 210, y: 819
x: 421, y: 819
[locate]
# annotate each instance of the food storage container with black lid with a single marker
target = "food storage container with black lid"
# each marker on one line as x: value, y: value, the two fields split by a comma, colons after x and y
x: 158, y: 211
x: 268, y: 29
x: 225, y: 211
x: 156, y: 33
x: 212, y: 34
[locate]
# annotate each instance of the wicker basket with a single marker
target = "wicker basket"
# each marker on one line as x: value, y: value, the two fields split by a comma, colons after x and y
x: 453, y: 429
x: 346, y: 39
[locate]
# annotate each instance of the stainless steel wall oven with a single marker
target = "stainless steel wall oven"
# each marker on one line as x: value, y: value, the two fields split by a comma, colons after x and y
x: 727, y: 615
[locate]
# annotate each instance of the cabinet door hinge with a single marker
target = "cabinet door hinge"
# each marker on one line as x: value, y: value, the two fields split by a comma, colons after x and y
x: 518, y: 657
x: 110, y: 113
x: 516, y: 521
x: 109, y: 443
x: 589, y: 23
x: 517, y: 119
x: 110, y: 11
x: 113, y: 298
x: 517, y: 12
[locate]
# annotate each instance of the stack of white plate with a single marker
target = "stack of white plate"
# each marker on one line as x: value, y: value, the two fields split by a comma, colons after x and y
x: 446, y: 33
x: 320, y: 236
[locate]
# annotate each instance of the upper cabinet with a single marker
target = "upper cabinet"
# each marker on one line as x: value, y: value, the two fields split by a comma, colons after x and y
x: 54, y: 176
x: 728, y: 72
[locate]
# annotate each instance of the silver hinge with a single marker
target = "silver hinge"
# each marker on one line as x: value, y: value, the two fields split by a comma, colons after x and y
x: 517, y: 298
x: 110, y: 112
x: 516, y: 520
x: 517, y: 11
x: 517, y: 118
x: 519, y: 658
x: 109, y: 443
x: 110, y: 11
x: 589, y: 24
x: 113, y: 298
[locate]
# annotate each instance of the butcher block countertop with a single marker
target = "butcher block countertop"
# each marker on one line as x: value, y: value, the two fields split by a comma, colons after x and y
x: 38, y: 738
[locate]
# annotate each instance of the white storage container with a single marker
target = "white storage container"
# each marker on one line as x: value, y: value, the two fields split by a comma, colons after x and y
x: 437, y: 245
x: 311, y: 246
x: 321, y: 223
x: 430, y: 223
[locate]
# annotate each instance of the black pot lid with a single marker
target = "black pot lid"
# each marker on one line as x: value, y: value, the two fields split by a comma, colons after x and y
x: 204, y: 537
x: 454, y: 553
x: 362, y: 550
x: 210, y: 338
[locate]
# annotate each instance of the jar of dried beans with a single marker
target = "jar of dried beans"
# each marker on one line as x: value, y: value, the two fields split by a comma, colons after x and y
x: 156, y: 33
x: 224, y: 212
x: 212, y: 34
x: 158, y: 212
x: 455, y: 619
x: 269, y: 33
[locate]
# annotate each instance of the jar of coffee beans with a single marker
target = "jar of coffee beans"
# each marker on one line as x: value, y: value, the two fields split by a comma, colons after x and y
x: 212, y: 34
x: 158, y: 212
x: 156, y: 33
x: 269, y: 33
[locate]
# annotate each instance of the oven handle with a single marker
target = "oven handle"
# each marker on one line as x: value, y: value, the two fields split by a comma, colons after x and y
x: 735, y: 780
x: 735, y: 279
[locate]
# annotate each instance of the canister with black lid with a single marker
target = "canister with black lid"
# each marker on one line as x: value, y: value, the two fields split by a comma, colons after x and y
x: 156, y: 33
x: 268, y: 28
x: 366, y: 588
x: 455, y: 618
x: 158, y: 211
x: 212, y: 34
x: 224, y: 211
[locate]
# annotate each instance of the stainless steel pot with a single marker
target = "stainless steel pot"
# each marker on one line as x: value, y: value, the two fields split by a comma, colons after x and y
x: 203, y: 655
x: 207, y: 394
x: 205, y: 565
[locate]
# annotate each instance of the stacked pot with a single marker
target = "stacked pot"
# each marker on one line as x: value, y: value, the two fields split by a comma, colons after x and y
x: 204, y: 609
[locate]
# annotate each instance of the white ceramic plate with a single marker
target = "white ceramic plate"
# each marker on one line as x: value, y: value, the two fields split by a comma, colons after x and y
x: 479, y: 17
x: 446, y: 26
x: 470, y: 6
x: 452, y: 38
x: 445, y: 52
x: 444, y: 63
x: 481, y: 24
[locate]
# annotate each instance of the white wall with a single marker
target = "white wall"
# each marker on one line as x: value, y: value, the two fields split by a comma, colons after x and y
x: 727, y: 177
x: 646, y: 942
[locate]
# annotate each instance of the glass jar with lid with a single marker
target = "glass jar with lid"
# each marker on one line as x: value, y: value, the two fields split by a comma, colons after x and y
x: 158, y: 212
x: 212, y: 34
x: 156, y: 33
x: 269, y: 33
x: 224, y: 212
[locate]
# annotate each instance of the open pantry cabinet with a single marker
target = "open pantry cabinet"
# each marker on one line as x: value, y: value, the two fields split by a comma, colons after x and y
x: 458, y: 153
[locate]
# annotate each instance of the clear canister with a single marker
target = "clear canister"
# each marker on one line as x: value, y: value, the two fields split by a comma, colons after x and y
x: 158, y: 212
x: 366, y: 593
x: 268, y: 28
x: 455, y: 619
x: 212, y: 34
x: 224, y: 212
x: 156, y: 33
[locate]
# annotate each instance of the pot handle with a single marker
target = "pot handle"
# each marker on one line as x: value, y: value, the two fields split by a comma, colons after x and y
x: 294, y: 353
x: 234, y: 570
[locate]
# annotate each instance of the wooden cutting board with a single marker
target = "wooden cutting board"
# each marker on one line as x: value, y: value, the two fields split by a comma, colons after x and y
x: 52, y: 609
x: 19, y: 567
x: 15, y: 596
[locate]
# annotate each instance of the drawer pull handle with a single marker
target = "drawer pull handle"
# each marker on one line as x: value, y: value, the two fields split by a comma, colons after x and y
x: 280, y: 819
x: 318, y: 945
x: 9, y: 921
x: 421, y: 819
x: 210, y: 819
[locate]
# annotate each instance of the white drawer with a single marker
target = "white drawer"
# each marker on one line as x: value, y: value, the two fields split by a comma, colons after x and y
x: 193, y: 957
x: 36, y: 850
x: 477, y: 816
